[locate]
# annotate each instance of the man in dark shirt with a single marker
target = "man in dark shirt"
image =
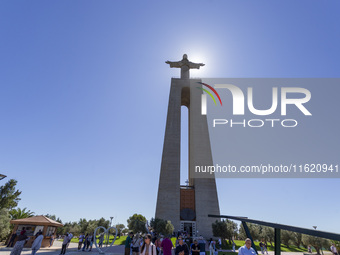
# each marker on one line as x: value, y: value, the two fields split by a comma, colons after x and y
x: 201, y: 243
x: 188, y: 240
x: 128, y: 243
x: 11, y: 241
x: 182, y: 248
x: 195, y: 248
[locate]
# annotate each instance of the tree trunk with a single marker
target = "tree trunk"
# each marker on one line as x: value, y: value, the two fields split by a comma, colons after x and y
x: 317, y: 250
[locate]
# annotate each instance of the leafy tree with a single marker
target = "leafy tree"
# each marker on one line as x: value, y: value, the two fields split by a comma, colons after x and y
x: 268, y: 234
x: 75, y: 228
x: 232, y: 229
x: 120, y: 228
x: 18, y: 213
x: 125, y: 231
x: 104, y: 223
x: 286, y: 237
x: 253, y: 229
x: 66, y: 228
x: 4, y: 224
x: 169, y: 228
x: 83, y: 225
x: 297, y: 239
x: 224, y: 229
x: 91, y: 227
x: 136, y: 223
x: 316, y: 242
x: 158, y: 225
x: 9, y: 196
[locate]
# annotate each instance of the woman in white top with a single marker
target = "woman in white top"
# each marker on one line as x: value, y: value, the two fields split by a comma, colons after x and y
x: 148, y: 248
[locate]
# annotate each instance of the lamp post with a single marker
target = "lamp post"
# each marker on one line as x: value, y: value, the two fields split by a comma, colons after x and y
x: 2, y: 176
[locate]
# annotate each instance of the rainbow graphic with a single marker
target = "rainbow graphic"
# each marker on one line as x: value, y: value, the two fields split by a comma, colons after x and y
x: 209, y: 93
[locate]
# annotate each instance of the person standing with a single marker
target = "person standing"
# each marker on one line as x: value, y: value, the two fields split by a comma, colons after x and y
x: 148, y: 248
x: 188, y: 240
x: 261, y: 246
x: 91, y: 238
x: 101, y: 240
x: 37, y: 243
x: 234, y: 246
x: 201, y: 243
x: 265, y: 248
x: 81, y: 238
x: 136, y: 244
x: 128, y: 244
x: 19, y: 245
x: 88, y: 241
x: 333, y: 249
x: 182, y: 248
x: 11, y: 241
x: 64, y: 245
x: 51, y: 240
x: 309, y: 249
x: 195, y: 248
x: 177, y: 242
x: 212, y: 247
x: 246, y: 249
x: 158, y: 245
x: 70, y: 236
x: 166, y: 246
x: 85, y: 241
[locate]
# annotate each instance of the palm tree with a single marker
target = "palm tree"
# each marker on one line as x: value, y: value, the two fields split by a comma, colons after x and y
x: 20, y: 214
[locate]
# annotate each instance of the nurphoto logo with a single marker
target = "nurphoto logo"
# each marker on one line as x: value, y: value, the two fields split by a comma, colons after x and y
x: 240, y: 101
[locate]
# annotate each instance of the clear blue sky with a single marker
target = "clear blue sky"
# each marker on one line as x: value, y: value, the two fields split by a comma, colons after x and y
x: 84, y: 92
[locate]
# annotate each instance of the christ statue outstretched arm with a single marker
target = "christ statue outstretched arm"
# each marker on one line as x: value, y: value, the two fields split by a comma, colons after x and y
x: 185, y: 66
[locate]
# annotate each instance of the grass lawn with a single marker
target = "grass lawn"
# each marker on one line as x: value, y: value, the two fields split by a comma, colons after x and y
x: 291, y: 248
x: 240, y: 243
x: 119, y: 241
x: 227, y: 253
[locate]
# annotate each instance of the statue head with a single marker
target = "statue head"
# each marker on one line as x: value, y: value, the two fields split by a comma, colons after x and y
x: 185, y: 56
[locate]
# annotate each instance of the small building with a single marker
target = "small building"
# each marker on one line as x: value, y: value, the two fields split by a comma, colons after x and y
x: 32, y: 225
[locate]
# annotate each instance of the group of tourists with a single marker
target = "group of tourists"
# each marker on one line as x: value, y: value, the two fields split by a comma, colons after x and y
x: 149, y: 244
x: 263, y: 246
x: 154, y: 244
x: 87, y: 242
x: 84, y: 240
x: 22, y: 238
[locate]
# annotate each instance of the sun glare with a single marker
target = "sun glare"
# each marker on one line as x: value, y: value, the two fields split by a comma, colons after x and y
x: 201, y: 57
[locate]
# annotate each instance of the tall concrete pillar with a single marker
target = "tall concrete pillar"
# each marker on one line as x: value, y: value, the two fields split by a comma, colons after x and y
x: 179, y: 204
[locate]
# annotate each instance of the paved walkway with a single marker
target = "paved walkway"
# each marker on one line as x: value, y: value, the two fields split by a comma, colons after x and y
x: 114, y: 250
x: 71, y: 250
